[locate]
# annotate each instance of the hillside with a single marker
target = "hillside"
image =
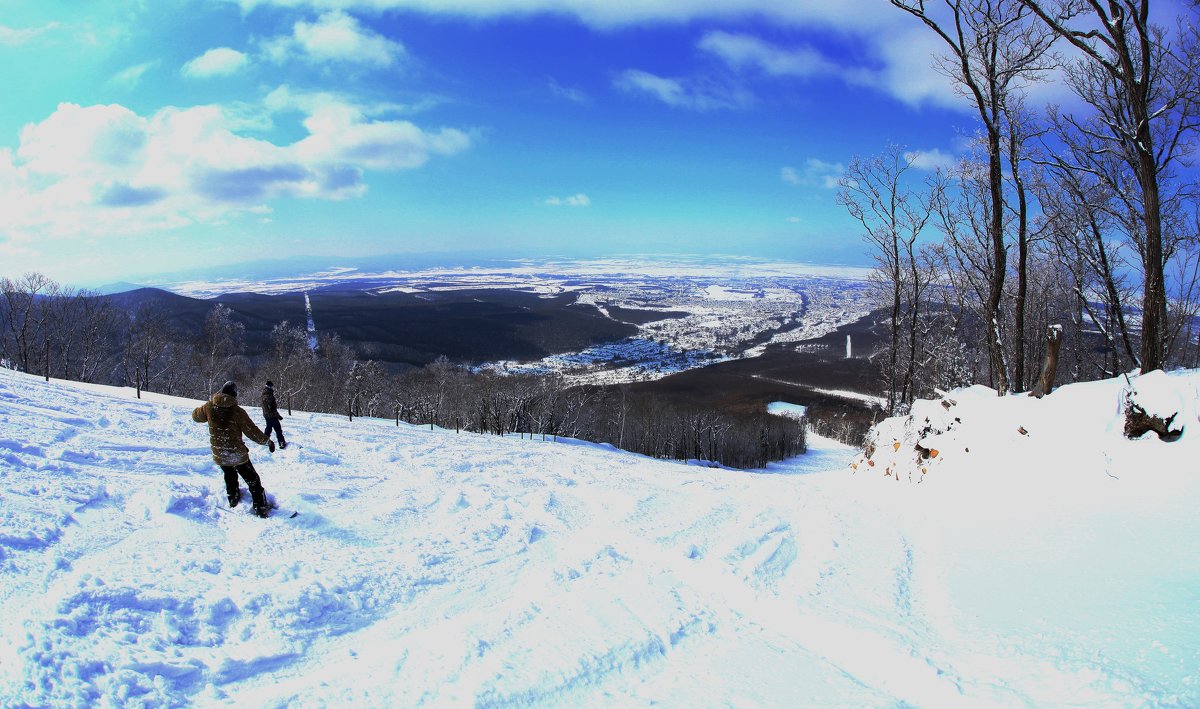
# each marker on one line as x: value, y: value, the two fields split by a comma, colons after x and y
x: 1056, y: 567
x: 402, y: 329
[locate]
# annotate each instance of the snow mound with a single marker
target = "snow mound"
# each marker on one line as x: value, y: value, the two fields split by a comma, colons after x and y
x: 1060, y: 566
x: 1076, y: 432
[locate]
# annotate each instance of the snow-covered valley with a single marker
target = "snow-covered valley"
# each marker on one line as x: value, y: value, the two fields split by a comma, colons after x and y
x: 1059, y: 566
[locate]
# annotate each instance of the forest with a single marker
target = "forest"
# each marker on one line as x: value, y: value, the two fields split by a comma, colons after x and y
x: 1060, y: 226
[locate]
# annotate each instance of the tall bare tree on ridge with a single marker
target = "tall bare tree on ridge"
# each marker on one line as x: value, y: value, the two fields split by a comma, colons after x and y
x: 993, y: 50
x: 1145, y: 94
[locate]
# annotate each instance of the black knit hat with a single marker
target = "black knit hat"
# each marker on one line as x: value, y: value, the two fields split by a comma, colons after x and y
x: 230, y: 388
x: 269, y: 384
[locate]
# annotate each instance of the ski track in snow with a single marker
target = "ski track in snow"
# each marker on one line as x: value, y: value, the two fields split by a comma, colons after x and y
x: 434, y: 568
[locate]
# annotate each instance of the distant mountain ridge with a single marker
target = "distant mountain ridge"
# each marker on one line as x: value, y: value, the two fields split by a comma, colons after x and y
x: 117, y: 287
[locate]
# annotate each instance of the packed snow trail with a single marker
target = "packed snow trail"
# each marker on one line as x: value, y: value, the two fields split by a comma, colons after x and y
x: 434, y: 568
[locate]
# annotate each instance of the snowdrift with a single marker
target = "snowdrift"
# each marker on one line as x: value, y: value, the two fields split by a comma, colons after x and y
x: 1078, y: 433
x: 1055, y: 566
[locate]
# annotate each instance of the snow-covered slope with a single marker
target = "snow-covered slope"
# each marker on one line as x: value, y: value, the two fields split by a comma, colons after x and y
x: 432, y: 568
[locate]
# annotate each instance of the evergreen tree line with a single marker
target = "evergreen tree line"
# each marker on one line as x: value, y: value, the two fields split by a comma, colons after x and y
x: 59, y: 332
x: 1083, y: 219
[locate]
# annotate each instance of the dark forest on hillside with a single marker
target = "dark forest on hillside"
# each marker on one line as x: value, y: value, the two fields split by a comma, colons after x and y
x: 184, y: 347
x: 401, y: 330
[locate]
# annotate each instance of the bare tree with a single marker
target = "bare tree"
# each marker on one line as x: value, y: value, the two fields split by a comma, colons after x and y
x: 365, y: 387
x: 220, y: 346
x: 993, y: 49
x: 441, y: 373
x: 290, y: 363
x: 1143, y: 90
x: 876, y: 193
x: 22, y: 303
x: 146, y: 341
x: 98, y: 327
x: 1081, y: 226
x: 1184, y: 304
x: 1020, y: 129
x: 331, y: 374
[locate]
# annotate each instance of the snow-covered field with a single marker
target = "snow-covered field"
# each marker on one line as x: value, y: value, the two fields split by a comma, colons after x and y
x: 1055, y: 567
x: 549, y: 276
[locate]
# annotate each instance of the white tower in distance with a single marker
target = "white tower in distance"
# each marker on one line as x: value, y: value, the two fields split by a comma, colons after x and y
x: 848, y: 355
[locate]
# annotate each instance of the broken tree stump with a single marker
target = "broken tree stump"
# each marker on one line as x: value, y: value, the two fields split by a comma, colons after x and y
x: 1050, y: 365
x: 1138, y: 422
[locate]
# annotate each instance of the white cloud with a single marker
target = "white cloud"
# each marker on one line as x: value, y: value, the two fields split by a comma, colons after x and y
x: 815, y: 173
x: 568, y: 93
x: 221, y: 61
x: 334, y: 37
x: 99, y: 170
x: 898, y: 62
x: 341, y: 133
x: 15, y: 37
x: 908, y: 73
x: 743, y: 51
x: 845, y: 14
x: 83, y: 142
x: 669, y: 91
x: 693, y: 94
x: 825, y: 174
x: 131, y: 77
x: 575, y: 200
x: 285, y: 98
x: 929, y: 159
x: 903, y: 68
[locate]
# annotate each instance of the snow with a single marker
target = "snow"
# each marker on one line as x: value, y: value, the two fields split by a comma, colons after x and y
x: 1060, y: 566
x: 716, y: 292
x: 547, y: 275
x: 847, y: 394
x: 783, y: 408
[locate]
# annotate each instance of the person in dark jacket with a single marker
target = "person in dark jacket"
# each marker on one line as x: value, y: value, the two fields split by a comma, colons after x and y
x: 226, y: 423
x: 270, y: 411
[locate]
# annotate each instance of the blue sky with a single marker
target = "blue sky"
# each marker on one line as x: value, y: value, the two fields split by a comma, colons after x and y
x: 148, y: 137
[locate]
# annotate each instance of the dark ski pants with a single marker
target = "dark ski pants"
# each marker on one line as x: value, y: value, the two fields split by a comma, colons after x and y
x: 246, y: 470
x: 273, y: 425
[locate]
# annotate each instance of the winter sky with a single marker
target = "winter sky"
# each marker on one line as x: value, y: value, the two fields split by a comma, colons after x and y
x: 146, y: 137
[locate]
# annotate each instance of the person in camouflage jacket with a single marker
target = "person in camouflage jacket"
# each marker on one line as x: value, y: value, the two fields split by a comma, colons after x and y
x: 227, y: 422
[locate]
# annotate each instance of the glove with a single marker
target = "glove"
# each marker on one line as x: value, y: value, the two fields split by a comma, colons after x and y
x: 270, y: 445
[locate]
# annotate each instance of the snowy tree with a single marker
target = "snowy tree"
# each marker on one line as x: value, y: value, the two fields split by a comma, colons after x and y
x: 893, y: 215
x: 23, y: 314
x: 1141, y: 83
x: 993, y: 49
x: 290, y: 363
x: 220, y: 347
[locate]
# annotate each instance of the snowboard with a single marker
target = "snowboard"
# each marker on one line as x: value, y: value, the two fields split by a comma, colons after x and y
x: 273, y: 508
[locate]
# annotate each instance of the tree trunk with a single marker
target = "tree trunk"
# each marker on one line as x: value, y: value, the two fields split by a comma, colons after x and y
x: 894, y: 348
x: 1154, y: 293
x: 999, y: 264
x: 1022, y: 264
